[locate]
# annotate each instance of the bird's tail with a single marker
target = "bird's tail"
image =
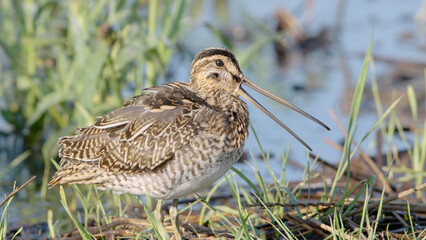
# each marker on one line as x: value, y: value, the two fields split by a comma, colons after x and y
x: 77, y: 172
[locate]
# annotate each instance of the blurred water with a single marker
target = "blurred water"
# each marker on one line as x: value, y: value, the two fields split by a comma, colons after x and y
x: 385, y: 22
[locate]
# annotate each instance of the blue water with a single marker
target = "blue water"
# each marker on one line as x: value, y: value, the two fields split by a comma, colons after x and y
x: 385, y: 22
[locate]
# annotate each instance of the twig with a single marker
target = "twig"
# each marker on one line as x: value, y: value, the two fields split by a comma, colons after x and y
x: 111, y: 234
x: 306, y: 224
x: 337, y: 146
x: 355, y: 227
x: 416, y: 209
x: 325, y: 227
x: 338, y: 122
x: 197, y: 229
x: 16, y: 190
x: 352, y: 174
x: 390, y: 198
x: 399, y: 218
x: 103, y: 228
x: 212, y: 199
x: 378, y: 159
x: 299, y: 204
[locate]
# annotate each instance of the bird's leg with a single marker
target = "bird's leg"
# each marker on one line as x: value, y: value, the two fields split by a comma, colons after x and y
x: 158, y: 214
x: 174, y: 217
x: 159, y: 220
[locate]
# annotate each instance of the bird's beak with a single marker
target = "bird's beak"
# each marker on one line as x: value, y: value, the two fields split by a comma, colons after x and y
x: 253, y: 101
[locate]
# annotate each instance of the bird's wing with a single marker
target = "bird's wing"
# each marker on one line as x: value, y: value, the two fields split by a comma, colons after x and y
x: 143, y: 134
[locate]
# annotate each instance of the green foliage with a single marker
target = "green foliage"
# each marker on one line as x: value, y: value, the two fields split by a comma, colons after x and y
x: 69, y: 61
x: 3, y: 220
x: 270, y: 196
x: 83, y: 232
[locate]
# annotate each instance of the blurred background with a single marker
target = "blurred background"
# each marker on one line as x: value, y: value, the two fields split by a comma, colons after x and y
x: 62, y: 63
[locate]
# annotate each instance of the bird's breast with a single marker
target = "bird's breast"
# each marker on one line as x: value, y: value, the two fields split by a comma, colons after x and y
x: 236, y: 122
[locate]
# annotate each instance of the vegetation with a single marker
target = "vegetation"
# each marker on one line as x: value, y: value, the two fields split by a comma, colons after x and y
x: 67, y: 61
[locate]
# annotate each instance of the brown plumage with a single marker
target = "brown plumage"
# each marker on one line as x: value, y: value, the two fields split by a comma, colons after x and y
x: 172, y: 140
x: 146, y: 134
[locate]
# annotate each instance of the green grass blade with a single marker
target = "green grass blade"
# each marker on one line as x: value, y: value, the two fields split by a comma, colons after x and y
x: 412, y: 99
x: 292, y: 200
x: 287, y: 233
x: 83, y: 232
x: 366, y: 183
x: 379, y: 121
x: 17, y: 233
x: 354, y: 110
x: 3, y: 220
x: 379, y: 210
x: 248, y: 181
x: 202, y: 219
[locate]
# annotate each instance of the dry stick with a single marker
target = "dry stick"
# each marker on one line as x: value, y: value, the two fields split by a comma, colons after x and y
x: 390, y: 198
x: 397, y: 206
x: 355, y: 227
x: 15, y: 191
x: 337, y: 121
x: 333, y: 144
x: 302, y: 233
x: 116, y: 234
x: 305, y: 224
x: 189, y: 213
x: 415, y: 207
x: 378, y: 158
x: 93, y: 230
x: 212, y: 199
x: 352, y: 175
x: 299, y: 204
x: 197, y: 229
x: 133, y: 221
x: 399, y: 218
x: 325, y: 227
x: 97, y: 229
x: 404, y: 235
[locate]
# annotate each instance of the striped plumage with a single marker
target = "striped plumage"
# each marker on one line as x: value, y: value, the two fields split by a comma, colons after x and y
x: 171, y: 141
x: 166, y: 138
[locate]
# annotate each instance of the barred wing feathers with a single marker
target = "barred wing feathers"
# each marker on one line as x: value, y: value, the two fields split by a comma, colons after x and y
x: 143, y: 134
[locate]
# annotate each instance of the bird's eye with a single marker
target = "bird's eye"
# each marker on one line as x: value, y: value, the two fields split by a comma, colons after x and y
x: 218, y: 62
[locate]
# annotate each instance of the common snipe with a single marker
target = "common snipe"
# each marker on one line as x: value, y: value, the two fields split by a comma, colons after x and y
x: 171, y: 141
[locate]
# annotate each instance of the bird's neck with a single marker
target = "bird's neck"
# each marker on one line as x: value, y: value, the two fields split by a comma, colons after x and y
x: 222, y: 100
x: 235, y: 114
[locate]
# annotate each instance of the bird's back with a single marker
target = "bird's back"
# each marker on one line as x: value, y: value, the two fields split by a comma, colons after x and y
x: 169, y: 136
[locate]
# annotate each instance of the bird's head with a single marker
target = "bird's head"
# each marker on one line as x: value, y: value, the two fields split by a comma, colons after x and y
x: 217, y: 70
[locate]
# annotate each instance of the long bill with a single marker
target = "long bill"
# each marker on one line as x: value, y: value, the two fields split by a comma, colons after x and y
x: 249, y: 98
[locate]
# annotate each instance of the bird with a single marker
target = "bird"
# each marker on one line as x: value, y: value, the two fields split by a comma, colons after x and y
x: 172, y: 140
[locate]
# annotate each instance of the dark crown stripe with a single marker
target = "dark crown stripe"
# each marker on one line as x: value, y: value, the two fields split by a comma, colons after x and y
x: 216, y: 51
